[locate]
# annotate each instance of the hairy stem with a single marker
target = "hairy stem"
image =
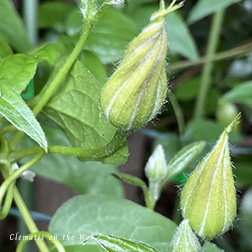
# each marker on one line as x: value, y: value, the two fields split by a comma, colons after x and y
x: 208, y: 67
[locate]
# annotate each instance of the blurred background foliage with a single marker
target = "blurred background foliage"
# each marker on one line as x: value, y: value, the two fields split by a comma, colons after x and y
x: 209, y: 65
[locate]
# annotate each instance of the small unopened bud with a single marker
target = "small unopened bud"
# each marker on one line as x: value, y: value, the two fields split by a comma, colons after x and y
x: 208, y: 198
x: 156, y: 170
x: 27, y: 175
x: 184, y: 240
x: 156, y: 167
x: 136, y: 91
x: 14, y: 167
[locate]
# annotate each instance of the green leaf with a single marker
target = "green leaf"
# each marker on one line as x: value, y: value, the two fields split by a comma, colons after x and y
x: 241, y: 94
x: 15, y: 110
x: 210, y: 247
x: 12, y: 28
x: 243, y: 174
x: 54, y: 14
x: 83, y: 177
x: 207, y: 130
x: 66, y: 44
x: 18, y: 70
x: 74, y: 22
x: 183, y: 158
x: 116, y: 244
x: 107, y: 40
x: 93, y: 64
x: 141, y: 12
x: 204, y: 8
x: 46, y: 53
x: 5, y: 49
x: 76, y: 108
x: 179, y: 37
x: 101, y: 214
x: 189, y: 90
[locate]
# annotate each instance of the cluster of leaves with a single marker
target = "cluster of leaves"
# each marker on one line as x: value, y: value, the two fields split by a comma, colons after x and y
x: 72, y: 116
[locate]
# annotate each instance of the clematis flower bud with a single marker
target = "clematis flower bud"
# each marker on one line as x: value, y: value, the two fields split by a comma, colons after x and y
x: 156, y: 167
x: 136, y: 91
x: 184, y: 240
x: 208, y: 198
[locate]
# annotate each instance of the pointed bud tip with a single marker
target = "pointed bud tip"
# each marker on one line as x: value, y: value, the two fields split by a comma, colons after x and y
x: 184, y: 240
x: 162, y: 12
x: 234, y: 123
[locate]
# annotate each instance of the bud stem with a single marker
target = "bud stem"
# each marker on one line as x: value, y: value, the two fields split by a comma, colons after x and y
x: 153, y: 193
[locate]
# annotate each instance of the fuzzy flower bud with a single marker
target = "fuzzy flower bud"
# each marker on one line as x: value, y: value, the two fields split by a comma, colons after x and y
x: 208, y: 198
x: 136, y: 91
x: 184, y: 240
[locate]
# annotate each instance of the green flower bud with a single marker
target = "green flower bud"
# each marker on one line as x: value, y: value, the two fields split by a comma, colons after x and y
x: 208, y: 198
x: 156, y: 167
x: 155, y: 171
x: 136, y: 91
x: 184, y: 240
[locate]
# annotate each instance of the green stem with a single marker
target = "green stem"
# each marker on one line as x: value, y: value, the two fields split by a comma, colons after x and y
x: 153, y: 194
x: 208, y: 67
x: 37, y: 235
x: 231, y: 53
x: 8, y: 200
x: 28, y: 220
x: 147, y: 198
x: 132, y: 180
x: 8, y: 129
x: 178, y: 112
x: 65, y: 150
x: 94, y: 154
x: 63, y: 71
x: 13, y: 177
